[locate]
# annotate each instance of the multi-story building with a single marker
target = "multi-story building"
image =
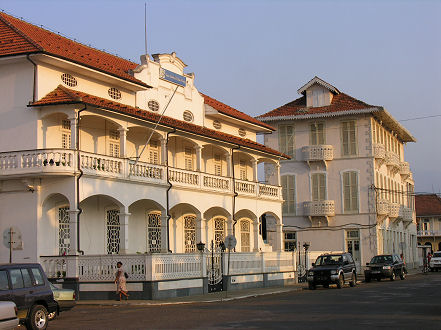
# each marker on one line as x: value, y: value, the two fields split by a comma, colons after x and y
x: 347, y: 186
x: 101, y: 156
x: 428, y: 217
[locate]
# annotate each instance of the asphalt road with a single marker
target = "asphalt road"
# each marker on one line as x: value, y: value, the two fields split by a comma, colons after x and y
x: 414, y: 303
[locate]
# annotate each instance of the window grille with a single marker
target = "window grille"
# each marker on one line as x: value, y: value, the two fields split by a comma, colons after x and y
x: 114, y: 93
x: 69, y: 80
x: 190, y: 233
x: 63, y: 231
x: 153, y: 105
x: 154, y: 231
x: 65, y: 140
x: 217, y: 165
x: 154, y: 152
x: 219, y: 231
x: 243, y: 169
x: 114, y: 143
x: 290, y: 241
x: 217, y: 124
x: 245, y: 235
x: 242, y: 132
x: 188, y: 158
x: 65, y: 124
x: 113, y: 232
x: 188, y: 116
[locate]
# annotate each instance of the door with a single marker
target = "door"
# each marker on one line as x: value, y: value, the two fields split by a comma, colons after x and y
x: 353, y: 246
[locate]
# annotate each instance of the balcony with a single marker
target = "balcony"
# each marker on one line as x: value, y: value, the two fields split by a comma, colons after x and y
x: 63, y: 162
x: 394, y: 210
x: 319, y: 208
x: 404, y: 170
x: 426, y: 233
x: 318, y: 153
x: 392, y: 161
x: 383, y: 207
x: 379, y: 151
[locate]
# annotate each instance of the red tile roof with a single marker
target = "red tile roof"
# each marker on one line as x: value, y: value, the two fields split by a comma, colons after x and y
x: 229, y: 111
x: 18, y: 37
x: 427, y: 205
x: 340, y: 103
x: 63, y: 95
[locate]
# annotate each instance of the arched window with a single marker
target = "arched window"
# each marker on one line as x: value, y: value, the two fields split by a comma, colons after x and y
x: 219, y: 231
x: 63, y: 231
x: 154, y: 231
x: 245, y: 236
x: 113, y: 232
x: 190, y: 233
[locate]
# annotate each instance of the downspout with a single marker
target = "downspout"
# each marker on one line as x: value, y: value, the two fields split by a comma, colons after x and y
x: 80, y: 210
x: 35, y: 77
x: 235, y: 194
x: 168, y: 189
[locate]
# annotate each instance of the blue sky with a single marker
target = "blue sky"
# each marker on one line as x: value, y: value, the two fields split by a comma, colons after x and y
x: 254, y: 55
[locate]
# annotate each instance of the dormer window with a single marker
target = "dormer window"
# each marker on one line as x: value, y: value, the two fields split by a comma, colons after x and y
x: 318, y: 92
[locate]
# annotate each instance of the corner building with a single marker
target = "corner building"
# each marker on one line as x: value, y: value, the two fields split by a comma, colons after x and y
x: 347, y: 186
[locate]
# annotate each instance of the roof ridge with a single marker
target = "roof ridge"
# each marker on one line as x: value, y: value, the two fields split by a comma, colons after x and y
x: 17, y: 30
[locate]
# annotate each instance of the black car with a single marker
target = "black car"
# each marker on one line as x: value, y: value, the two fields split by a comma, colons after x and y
x: 27, y: 286
x: 336, y: 268
x: 385, y: 266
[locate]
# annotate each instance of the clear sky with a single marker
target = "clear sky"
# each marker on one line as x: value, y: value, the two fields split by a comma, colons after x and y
x: 254, y: 55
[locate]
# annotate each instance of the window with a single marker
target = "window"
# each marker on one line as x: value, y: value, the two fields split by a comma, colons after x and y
x: 114, y: 93
x: 153, y: 105
x: 349, y: 144
x: 188, y: 158
x: 68, y: 80
x: 63, y: 231
x: 217, y: 124
x: 286, y: 139
x: 245, y: 236
x: 317, y: 134
x: 190, y: 233
x: 154, y: 231
x: 65, y: 134
x: 38, y: 278
x: 318, y: 183
x: 217, y: 165
x: 114, y: 143
x: 289, y: 194
x: 353, y: 244
x: 219, y: 231
x: 188, y: 116
x: 4, y: 283
x: 350, y: 192
x: 242, y: 132
x: 243, y: 170
x: 16, y: 279
x: 290, y: 241
x: 154, y: 152
x: 113, y: 232
x: 26, y: 278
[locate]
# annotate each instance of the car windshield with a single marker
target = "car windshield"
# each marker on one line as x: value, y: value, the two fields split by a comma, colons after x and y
x: 437, y: 255
x: 329, y: 260
x: 381, y: 260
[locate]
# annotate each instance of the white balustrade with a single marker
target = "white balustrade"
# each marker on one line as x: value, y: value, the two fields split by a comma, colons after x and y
x: 214, y: 182
x: 184, y: 177
x: 244, y: 263
x: 429, y: 233
x: 54, y: 266
x: 319, y: 208
x: 141, y: 170
x: 279, y: 261
x: 245, y: 187
x: 176, y: 266
x: 98, y: 164
x: 269, y: 191
x: 318, y: 152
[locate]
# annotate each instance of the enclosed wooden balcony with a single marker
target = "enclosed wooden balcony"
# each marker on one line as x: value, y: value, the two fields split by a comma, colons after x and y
x: 404, y: 170
x: 394, y: 210
x: 382, y: 207
x: 392, y: 161
x: 406, y: 214
x: 379, y: 151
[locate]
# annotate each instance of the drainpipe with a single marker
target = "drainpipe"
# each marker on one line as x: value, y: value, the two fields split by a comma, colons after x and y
x: 35, y: 77
x: 168, y: 189
x: 78, y: 179
x: 234, y: 188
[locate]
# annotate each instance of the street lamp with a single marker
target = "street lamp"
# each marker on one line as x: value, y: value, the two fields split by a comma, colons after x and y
x: 306, y: 247
x: 200, y: 246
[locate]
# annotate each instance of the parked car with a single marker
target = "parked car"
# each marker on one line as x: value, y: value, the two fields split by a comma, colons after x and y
x: 336, y: 268
x: 65, y: 299
x: 8, y: 315
x: 435, y: 261
x: 27, y: 286
x: 385, y: 266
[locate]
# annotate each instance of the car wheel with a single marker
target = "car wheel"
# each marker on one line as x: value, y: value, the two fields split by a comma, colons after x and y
x: 51, y: 316
x: 353, y: 281
x: 393, y: 276
x: 403, y: 274
x: 37, y: 319
x: 341, y: 281
x: 367, y: 279
x: 311, y: 286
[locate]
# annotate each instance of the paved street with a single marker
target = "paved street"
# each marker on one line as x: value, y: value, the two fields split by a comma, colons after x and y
x: 410, y: 304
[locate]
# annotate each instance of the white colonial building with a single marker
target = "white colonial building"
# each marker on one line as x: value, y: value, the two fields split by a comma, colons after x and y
x: 347, y: 186
x: 103, y: 159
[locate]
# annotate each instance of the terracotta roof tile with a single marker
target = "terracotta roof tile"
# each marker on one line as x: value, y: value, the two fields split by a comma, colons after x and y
x: 63, y: 95
x: 340, y: 102
x: 427, y: 205
x: 20, y: 37
x: 229, y: 111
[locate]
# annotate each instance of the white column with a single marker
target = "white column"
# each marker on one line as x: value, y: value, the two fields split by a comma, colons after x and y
x: 122, y: 142
x: 229, y: 165
x: 164, y: 234
x: 124, y: 231
x: 73, y: 133
x: 279, y: 238
x: 198, y: 158
x: 254, y: 164
x: 163, y: 151
x: 73, y: 231
x: 278, y: 174
x: 200, y: 229
x: 256, y: 236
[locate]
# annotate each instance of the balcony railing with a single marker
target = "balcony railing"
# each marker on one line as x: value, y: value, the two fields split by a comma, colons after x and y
x: 64, y: 162
x: 318, y: 152
x: 429, y: 233
x: 382, y: 207
x: 319, y: 208
x: 379, y: 151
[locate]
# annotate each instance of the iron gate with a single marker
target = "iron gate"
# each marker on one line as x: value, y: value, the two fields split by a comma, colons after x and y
x: 302, y: 265
x: 215, y: 268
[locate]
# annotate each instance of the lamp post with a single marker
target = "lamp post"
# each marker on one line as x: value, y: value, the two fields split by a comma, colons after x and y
x: 306, y: 247
x: 200, y: 246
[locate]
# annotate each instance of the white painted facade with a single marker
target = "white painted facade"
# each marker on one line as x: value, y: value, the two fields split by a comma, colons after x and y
x: 380, y: 218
